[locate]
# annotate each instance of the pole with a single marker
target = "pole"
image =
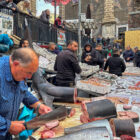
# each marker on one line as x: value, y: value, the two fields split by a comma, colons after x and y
x: 54, y: 10
x: 79, y: 31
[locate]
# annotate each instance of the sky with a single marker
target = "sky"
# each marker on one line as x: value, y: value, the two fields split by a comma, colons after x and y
x: 41, y: 5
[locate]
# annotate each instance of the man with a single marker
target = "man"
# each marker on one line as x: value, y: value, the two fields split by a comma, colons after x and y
x: 66, y: 65
x: 89, y: 55
x: 24, y: 7
x: 52, y: 48
x: 128, y: 55
x: 100, y: 55
x: 58, y: 23
x: 45, y: 16
x: 109, y: 51
x: 24, y: 43
x: 9, y: 4
x: 137, y: 57
x: 13, y: 71
x: 116, y: 64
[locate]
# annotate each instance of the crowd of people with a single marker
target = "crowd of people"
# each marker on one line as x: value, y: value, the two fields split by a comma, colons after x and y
x: 109, y: 57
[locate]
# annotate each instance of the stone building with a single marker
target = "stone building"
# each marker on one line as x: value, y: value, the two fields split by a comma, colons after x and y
x: 110, y: 16
x: 134, y: 15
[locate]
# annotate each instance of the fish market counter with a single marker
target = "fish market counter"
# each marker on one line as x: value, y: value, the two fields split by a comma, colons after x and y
x: 75, y: 120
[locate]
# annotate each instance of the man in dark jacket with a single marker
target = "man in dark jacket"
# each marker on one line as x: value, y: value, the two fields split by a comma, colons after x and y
x: 89, y: 55
x: 101, y: 58
x: 66, y: 65
x: 116, y: 64
x: 9, y: 4
x: 137, y: 57
x: 58, y: 23
x: 45, y: 16
x: 128, y: 55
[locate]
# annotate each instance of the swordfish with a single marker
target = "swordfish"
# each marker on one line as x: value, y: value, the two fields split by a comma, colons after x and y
x: 98, y: 133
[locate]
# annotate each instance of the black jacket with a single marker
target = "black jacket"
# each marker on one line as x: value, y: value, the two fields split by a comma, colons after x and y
x: 100, y: 58
x: 116, y: 65
x: 45, y: 18
x: 92, y: 53
x: 137, y: 59
x: 66, y: 65
x: 9, y: 4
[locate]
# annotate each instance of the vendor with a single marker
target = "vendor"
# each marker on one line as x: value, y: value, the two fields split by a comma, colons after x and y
x: 89, y: 55
x: 116, y: 64
x: 13, y: 71
x: 66, y: 65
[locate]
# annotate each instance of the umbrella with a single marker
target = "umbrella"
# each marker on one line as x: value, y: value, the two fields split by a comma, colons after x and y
x: 64, y: 2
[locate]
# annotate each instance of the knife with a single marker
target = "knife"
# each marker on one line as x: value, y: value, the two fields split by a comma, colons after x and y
x: 57, y: 114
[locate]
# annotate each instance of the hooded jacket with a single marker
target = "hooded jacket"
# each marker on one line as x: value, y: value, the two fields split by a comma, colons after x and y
x: 92, y: 53
x: 45, y: 18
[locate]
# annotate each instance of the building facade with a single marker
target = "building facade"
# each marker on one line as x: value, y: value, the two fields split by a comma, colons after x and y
x: 110, y: 16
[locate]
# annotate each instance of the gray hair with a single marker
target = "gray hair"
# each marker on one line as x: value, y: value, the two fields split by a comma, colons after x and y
x: 23, y: 56
x: 51, y: 43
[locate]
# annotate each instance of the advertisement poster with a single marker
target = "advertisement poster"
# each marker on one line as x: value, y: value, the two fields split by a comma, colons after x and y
x: 6, y: 23
x: 61, y: 37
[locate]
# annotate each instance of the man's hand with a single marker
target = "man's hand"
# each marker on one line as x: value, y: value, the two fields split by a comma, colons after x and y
x: 128, y: 58
x: 16, y: 127
x: 105, y: 59
x: 14, y: 9
x: 43, y: 109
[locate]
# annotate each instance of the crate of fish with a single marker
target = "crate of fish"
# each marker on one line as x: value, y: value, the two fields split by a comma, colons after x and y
x: 94, y: 85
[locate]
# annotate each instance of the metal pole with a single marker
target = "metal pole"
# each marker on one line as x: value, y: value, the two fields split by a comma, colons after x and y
x: 54, y: 10
x: 79, y: 31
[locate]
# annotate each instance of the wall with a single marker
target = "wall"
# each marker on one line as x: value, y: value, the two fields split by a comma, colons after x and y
x: 132, y: 38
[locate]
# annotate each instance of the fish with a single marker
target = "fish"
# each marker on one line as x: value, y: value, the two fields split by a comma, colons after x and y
x: 57, y: 114
x: 93, y: 111
x: 56, y: 93
x: 99, y: 123
x: 99, y: 133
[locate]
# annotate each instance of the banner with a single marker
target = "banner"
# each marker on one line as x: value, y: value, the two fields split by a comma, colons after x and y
x: 61, y: 38
x: 6, y: 23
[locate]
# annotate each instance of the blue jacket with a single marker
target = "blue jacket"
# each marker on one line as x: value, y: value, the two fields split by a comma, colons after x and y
x: 4, y: 39
x: 11, y: 95
x: 128, y: 53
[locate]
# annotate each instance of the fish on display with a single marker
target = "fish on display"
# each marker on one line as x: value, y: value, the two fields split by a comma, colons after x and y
x: 99, y: 123
x: 60, y: 94
x: 98, y: 133
x: 57, y: 114
x: 93, y: 111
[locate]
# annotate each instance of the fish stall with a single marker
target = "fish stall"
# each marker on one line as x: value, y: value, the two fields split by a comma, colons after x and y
x: 47, y: 61
x: 102, y: 106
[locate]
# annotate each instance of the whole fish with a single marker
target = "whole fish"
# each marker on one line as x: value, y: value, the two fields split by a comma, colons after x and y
x: 60, y: 94
x: 98, y: 133
x: 99, y: 123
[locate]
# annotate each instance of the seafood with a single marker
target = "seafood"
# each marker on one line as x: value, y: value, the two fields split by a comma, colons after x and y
x: 57, y: 114
x: 122, y: 127
x: 93, y: 111
x: 99, y: 133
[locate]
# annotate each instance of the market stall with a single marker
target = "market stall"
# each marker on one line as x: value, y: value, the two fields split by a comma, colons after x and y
x: 117, y: 105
